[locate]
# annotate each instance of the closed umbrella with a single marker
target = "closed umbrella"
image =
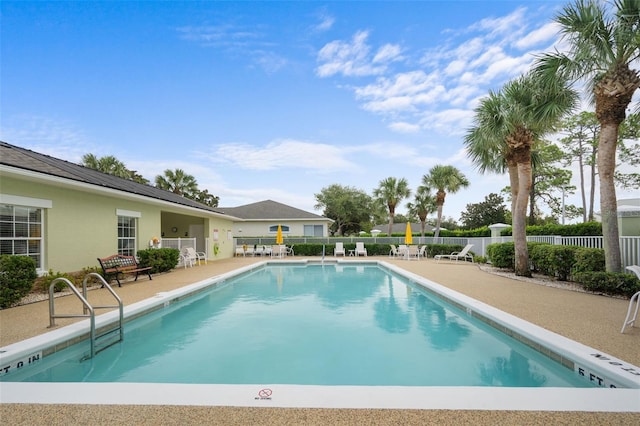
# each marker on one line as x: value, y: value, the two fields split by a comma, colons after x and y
x: 279, y: 239
x: 408, y: 238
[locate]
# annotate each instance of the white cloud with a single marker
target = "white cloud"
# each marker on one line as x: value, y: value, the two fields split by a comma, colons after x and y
x: 543, y: 34
x: 57, y: 138
x: 351, y: 58
x: 285, y: 153
x: 503, y: 26
x: 403, y: 127
x: 270, y: 61
x: 326, y: 22
x: 388, y: 53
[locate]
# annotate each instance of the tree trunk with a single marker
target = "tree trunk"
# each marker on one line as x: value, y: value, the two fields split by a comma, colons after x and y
x: 582, y: 190
x: 592, y: 193
x: 519, y: 224
x: 390, y: 223
x: 438, y: 222
x: 608, y: 202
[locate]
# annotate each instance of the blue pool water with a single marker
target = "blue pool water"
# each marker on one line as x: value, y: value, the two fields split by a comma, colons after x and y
x: 315, y: 324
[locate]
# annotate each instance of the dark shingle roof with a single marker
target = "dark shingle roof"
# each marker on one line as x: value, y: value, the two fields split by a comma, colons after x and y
x: 21, y: 158
x: 269, y: 210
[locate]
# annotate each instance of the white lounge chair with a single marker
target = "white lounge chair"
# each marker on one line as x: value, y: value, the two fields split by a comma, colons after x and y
x: 631, y: 319
x: 457, y: 255
x: 193, y: 255
x: 360, y: 250
x: 288, y: 251
x: 394, y: 251
x: 422, y: 252
x: 339, y: 249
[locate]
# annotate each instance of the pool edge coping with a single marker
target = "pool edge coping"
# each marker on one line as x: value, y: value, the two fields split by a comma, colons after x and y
x: 575, y: 349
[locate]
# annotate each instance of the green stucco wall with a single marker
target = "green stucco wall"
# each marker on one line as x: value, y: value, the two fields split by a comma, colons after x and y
x: 82, y: 226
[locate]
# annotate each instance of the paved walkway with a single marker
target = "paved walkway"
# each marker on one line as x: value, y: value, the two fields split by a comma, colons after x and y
x: 589, y: 319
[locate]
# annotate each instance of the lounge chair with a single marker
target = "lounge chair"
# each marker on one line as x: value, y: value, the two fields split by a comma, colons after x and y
x: 194, y: 256
x: 394, y: 251
x: 360, y: 250
x: 339, y: 249
x: 457, y: 255
x: 422, y: 252
x: 631, y: 319
x: 288, y: 251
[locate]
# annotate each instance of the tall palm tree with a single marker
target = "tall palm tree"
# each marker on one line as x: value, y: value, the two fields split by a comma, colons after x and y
x: 447, y: 179
x: 177, y: 182
x: 506, y: 125
x: 423, y: 204
x: 602, y: 46
x: 108, y: 164
x: 391, y: 191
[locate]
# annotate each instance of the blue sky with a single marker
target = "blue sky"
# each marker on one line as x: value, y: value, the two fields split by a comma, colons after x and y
x: 265, y: 100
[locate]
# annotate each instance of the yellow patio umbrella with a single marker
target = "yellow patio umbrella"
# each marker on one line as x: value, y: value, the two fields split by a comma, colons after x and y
x: 408, y: 238
x: 279, y: 239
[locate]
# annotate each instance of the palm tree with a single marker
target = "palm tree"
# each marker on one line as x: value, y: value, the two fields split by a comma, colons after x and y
x: 391, y: 191
x: 447, y: 179
x: 108, y: 164
x: 423, y: 204
x: 177, y: 182
x: 506, y: 125
x: 601, y: 49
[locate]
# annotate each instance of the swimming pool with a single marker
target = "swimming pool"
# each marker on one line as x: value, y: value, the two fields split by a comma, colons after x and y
x: 394, y: 309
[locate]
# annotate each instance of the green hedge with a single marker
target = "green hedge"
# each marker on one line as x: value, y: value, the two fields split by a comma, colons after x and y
x: 17, y: 275
x: 503, y: 255
x: 589, y: 260
x: 161, y: 260
x: 373, y: 249
x: 611, y: 283
x: 579, y: 229
x: 561, y: 262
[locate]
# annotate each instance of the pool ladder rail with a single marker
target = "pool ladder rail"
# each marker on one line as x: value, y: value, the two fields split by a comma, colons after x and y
x: 106, y: 338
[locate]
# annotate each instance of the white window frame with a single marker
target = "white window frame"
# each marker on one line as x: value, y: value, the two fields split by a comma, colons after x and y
x: 16, y: 201
x: 129, y: 215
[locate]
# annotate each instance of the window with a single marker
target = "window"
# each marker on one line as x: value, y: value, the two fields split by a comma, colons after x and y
x: 313, y: 231
x: 274, y: 228
x: 21, y: 232
x: 127, y: 235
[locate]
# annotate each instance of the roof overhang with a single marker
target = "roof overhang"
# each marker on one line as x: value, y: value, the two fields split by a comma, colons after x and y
x: 36, y: 177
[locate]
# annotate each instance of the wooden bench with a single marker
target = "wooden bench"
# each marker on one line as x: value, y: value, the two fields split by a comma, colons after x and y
x: 121, y: 264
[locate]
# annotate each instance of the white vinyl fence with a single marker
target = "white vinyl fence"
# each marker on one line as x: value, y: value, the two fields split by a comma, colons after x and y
x: 629, y: 246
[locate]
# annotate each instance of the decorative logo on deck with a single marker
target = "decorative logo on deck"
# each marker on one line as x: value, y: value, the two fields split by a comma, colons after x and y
x: 264, y: 394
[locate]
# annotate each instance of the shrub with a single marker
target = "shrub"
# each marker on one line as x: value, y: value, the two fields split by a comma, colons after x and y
x: 502, y: 255
x: 589, y: 260
x: 579, y: 229
x: 612, y: 283
x: 161, y: 260
x: 17, y: 274
x: 435, y: 249
x: 539, y: 257
x: 560, y: 261
x: 43, y: 283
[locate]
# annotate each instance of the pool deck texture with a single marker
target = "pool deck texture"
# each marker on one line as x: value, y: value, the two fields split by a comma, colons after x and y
x: 592, y: 320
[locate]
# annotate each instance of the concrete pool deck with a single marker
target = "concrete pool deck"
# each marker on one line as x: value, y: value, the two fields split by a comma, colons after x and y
x: 592, y: 320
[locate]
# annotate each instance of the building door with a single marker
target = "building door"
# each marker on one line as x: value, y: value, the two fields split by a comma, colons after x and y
x: 197, y: 232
